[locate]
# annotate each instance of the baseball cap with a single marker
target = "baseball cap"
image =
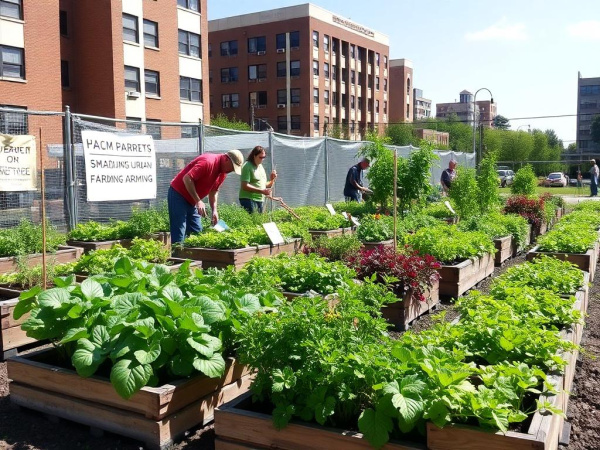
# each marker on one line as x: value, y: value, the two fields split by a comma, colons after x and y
x: 237, y: 159
x: 593, y: 161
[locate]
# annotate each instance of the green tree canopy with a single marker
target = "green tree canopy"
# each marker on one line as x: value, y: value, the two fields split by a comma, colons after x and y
x: 501, y: 122
x: 222, y: 121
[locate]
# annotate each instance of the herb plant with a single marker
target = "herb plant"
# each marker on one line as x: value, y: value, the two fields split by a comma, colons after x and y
x: 568, y: 238
x: 26, y: 239
x: 375, y: 228
x: 338, y: 248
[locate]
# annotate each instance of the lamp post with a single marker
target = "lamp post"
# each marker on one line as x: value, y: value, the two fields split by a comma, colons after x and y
x: 475, y: 115
x: 525, y: 125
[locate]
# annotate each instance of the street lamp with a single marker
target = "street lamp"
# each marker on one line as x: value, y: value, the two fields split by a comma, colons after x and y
x: 526, y: 125
x: 475, y: 114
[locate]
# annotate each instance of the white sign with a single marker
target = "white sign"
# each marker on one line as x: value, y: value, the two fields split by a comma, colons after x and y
x: 221, y: 226
x: 345, y: 214
x: 449, y: 206
x: 18, y: 163
x: 273, y: 233
x: 119, y: 167
x: 355, y: 221
x: 329, y: 207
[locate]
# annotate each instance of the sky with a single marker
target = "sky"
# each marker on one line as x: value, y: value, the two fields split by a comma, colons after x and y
x: 527, y: 53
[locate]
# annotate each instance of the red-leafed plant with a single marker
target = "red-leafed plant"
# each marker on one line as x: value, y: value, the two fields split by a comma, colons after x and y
x: 404, y: 272
x: 531, y: 209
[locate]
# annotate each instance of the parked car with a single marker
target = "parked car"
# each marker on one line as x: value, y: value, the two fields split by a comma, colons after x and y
x: 556, y: 179
x: 505, y: 177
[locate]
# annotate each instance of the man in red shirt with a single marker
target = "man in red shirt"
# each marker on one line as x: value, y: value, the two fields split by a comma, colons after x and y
x: 201, y: 177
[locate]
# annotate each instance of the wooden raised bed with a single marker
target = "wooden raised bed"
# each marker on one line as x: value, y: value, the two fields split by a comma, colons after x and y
x: 64, y: 254
x: 403, y: 312
x: 518, y: 249
x: 374, y: 245
x: 585, y: 261
x: 538, y: 231
x: 87, y: 246
x: 155, y: 416
x: 237, y: 428
x: 11, y: 337
x: 212, y: 257
x: 504, y: 249
x: 331, y: 233
x: 457, y: 279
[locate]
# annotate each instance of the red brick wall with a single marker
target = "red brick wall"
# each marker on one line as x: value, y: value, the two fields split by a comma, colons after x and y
x: 398, y: 92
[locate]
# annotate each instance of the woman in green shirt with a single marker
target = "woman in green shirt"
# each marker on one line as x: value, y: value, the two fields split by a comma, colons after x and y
x: 254, y: 184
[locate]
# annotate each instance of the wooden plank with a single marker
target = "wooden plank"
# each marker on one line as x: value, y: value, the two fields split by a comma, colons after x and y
x: 374, y: 245
x: 14, y: 337
x: 401, y: 313
x: 453, y: 437
x: 503, y: 249
x: 64, y: 254
x: 585, y: 261
x: 222, y: 444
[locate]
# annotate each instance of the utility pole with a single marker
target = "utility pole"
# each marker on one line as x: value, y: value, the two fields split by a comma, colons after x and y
x: 252, y: 115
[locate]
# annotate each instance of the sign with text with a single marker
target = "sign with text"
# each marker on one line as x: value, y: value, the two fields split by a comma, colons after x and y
x: 273, y: 233
x: 18, y: 163
x: 119, y: 167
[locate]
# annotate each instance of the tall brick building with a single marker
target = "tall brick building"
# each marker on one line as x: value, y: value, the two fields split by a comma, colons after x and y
x: 134, y: 59
x: 401, y: 92
x: 465, y: 110
x: 299, y: 69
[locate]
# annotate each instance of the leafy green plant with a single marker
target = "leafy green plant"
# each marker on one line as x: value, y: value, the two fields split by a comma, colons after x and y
x: 487, y: 184
x: 337, y: 248
x: 27, y: 276
x: 414, y: 178
x: 375, y: 228
x: 497, y: 225
x: 464, y: 193
x: 95, y: 231
x: 381, y: 171
x: 437, y: 210
x: 143, y: 223
x: 26, y: 239
x: 356, y: 209
x: 524, y: 182
x: 414, y: 222
x: 568, y: 238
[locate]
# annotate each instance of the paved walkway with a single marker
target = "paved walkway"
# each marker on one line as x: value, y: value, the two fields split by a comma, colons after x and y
x: 578, y: 199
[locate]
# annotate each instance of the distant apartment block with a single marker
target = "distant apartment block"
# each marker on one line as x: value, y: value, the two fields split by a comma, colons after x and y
x: 299, y: 69
x: 135, y: 59
x: 465, y: 110
x: 588, y: 106
x: 401, y: 93
x: 422, y: 106
x: 440, y: 138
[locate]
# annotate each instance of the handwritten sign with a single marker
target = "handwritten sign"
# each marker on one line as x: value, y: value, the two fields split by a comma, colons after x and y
x: 18, y: 163
x: 273, y: 233
x: 329, y: 207
x: 119, y: 167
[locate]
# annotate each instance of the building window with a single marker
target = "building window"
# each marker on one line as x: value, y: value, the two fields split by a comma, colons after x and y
x: 281, y: 72
x: 352, y: 51
x: 152, y: 82
x: 132, y: 79
x: 326, y: 43
x: 316, y: 95
x: 257, y: 72
x: 353, y: 76
x: 385, y: 107
x: 377, y: 60
x: 150, y: 33
x: 280, y: 41
x: 359, y: 52
x: 282, y: 97
x: 64, y: 74
x: 294, y: 68
x: 229, y: 75
x: 326, y: 70
x: 334, y: 99
x: 194, y: 5
x: 229, y: 48
x: 63, y: 24
x: 281, y: 123
x: 586, y: 117
x: 352, y: 102
x: 316, y: 123
x: 133, y: 124
x: 385, y: 61
x: 209, y: 50
x: 315, y: 39
x: 352, y: 126
x: 130, y: 28
x: 189, y: 44
x: 230, y: 101
x: 385, y: 84
x: 189, y: 131
x: 295, y: 125
x: 408, y: 86
x: 295, y: 96
x: 13, y: 123
x: 588, y: 105
x: 408, y: 111
x: 11, y: 8
x: 334, y: 46
x: 154, y: 130
x: 295, y: 39
x: 190, y: 89
x: 257, y: 44
x: 334, y: 73
x: 359, y: 103
x: 589, y: 90
x: 258, y: 99
x: 582, y: 144
x: 376, y: 106
x: 12, y: 63
x: 316, y: 67
x: 376, y: 83
x: 326, y: 97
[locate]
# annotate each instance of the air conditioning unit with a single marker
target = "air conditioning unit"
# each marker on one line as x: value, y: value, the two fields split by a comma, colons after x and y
x: 295, y: 48
x: 262, y: 52
x: 281, y: 105
x: 261, y: 106
x: 133, y: 94
x: 294, y: 105
x: 281, y: 50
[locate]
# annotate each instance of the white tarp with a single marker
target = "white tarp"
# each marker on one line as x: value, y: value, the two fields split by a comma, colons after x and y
x: 119, y: 167
x: 18, y: 163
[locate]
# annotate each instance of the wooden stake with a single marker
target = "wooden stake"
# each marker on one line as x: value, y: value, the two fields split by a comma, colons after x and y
x: 43, y: 192
x: 395, y: 212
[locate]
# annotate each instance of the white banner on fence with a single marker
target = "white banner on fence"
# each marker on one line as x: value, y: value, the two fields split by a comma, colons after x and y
x: 119, y: 167
x: 18, y: 163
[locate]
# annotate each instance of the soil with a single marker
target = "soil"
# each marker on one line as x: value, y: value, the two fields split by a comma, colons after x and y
x: 22, y: 429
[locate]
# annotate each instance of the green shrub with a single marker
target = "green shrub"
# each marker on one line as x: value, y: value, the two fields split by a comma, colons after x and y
x: 464, y: 193
x: 26, y: 239
x: 376, y: 228
x: 524, y: 182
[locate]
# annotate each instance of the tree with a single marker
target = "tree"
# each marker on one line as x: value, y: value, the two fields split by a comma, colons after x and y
x: 401, y: 134
x: 572, y: 147
x: 595, y: 129
x: 222, y: 121
x: 501, y: 122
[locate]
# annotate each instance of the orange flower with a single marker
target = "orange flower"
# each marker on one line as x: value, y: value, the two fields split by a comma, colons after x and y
x: 377, y: 216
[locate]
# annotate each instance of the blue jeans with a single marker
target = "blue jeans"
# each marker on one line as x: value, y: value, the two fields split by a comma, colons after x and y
x: 183, y: 217
x: 251, y: 205
x: 355, y: 196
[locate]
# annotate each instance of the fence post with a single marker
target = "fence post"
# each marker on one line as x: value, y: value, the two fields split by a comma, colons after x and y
x: 69, y: 158
x: 200, y: 137
x: 326, y: 167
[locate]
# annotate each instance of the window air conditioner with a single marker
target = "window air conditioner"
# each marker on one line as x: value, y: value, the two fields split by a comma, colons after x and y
x: 281, y: 105
x: 133, y: 94
x: 262, y: 52
x: 281, y: 50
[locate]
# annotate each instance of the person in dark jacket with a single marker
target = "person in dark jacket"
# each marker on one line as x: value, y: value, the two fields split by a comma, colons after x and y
x: 354, y: 181
x: 448, y: 176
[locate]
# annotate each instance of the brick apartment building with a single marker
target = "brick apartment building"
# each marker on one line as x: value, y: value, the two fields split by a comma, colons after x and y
x: 422, y: 106
x: 464, y: 109
x: 299, y: 69
x: 588, y: 106
x: 401, y: 94
x: 134, y: 59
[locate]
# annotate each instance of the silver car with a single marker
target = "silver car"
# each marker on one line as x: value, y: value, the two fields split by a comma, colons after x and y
x: 505, y: 177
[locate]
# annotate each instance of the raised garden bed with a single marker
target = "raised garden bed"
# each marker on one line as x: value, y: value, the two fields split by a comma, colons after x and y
x: 11, y: 337
x: 457, y: 279
x: 155, y: 416
x: 518, y: 249
x: 403, y: 312
x: 88, y: 246
x: 538, y: 230
x: 331, y: 233
x: 212, y: 257
x: 374, y: 245
x: 238, y: 427
x: 504, y: 249
x: 585, y: 261
x: 64, y: 254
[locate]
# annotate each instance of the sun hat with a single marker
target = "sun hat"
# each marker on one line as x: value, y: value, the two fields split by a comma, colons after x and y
x: 237, y: 159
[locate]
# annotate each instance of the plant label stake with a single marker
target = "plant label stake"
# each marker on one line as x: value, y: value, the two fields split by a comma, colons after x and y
x: 395, y: 197
x: 329, y: 207
x: 43, y: 192
x: 273, y: 233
